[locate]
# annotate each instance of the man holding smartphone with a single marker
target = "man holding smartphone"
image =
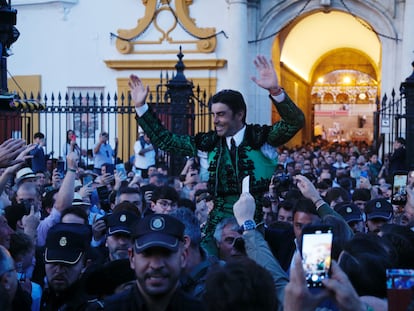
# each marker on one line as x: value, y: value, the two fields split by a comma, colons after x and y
x: 398, y: 155
x: 103, y: 152
x: 145, y: 155
x: 38, y: 153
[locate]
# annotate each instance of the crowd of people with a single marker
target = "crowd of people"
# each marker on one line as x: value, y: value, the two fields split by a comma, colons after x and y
x: 132, y: 237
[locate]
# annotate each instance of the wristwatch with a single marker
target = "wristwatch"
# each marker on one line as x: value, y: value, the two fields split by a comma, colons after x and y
x: 247, y: 226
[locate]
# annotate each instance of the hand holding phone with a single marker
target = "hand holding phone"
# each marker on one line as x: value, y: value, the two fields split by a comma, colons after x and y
x: 399, y: 188
x: 120, y: 169
x: 61, y: 168
x: 316, y: 254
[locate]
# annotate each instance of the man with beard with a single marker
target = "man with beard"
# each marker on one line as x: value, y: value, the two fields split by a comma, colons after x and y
x: 157, y: 257
x: 378, y: 213
x: 66, y: 245
x: 118, y: 239
x: 234, y: 149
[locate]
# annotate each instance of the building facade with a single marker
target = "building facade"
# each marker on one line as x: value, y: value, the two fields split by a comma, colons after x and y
x: 77, y: 46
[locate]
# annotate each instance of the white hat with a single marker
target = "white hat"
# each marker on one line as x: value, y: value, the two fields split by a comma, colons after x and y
x: 24, y: 173
x: 78, y: 183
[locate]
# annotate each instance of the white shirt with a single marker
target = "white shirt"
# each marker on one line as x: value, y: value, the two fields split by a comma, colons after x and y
x: 146, y: 160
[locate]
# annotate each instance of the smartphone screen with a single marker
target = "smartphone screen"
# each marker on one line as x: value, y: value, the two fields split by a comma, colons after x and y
x: 103, y: 193
x: 61, y: 168
x: 316, y: 254
x: 87, y: 179
x: 110, y: 168
x: 120, y: 169
x: 399, y: 188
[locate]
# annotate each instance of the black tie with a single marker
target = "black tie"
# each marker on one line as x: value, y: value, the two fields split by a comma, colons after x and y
x: 233, y: 151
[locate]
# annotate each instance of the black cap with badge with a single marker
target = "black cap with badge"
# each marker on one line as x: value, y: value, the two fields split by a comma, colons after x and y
x: 379, y: 208
x: 158, y: 230
x: 121, y: 222
x: 349, y: 211
x: 67, y: 242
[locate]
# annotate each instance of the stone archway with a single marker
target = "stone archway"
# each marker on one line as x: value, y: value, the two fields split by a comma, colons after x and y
x: 301, y: 66
x: 350, y: 77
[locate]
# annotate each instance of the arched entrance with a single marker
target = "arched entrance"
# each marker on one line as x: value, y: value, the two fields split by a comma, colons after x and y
x: 344, y: 92
x: 335, y: 59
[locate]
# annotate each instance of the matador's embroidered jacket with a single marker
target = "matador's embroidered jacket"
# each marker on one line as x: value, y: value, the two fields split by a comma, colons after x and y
x: 224, y: 178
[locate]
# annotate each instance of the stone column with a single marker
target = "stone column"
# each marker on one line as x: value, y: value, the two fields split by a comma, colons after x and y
x: 238, y: 60
x: 408, y: 90
x: 408, y: 38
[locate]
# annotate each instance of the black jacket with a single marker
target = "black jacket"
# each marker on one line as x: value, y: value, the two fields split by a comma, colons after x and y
x: 132, y: 300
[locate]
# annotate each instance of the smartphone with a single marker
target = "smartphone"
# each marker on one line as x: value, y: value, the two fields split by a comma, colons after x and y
x: 110, y: 168
x: 399, y: 188
x: 316, y: 254
x: 103, y: 194
x: 87, y: 179
x: 61, y: 168
x: 120, y: 169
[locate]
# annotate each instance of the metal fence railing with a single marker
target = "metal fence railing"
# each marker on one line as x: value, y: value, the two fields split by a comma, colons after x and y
x: 88, y: 115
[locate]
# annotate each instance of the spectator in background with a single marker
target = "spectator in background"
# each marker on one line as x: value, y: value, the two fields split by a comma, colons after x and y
x: 268, y: 215
x: 408, y: 216
x: 164, y: 200
x: 228, y: 239
x: 103, y: 152
x: 145, y: 155
x: 337, y: 195
x: 397, y: 158
x: 38, y: 153
x: 199, y: 263
x: 352, y: 215
x: 22, y: 249
x: 360, y: 197
x: 13, y: 297
x: 378, y: 212
x: 241, y: 285
x: 5, y: 232
x: 70, y: 145
x: 285, y: 212
x: 189, y: 177
x: 374, y: 167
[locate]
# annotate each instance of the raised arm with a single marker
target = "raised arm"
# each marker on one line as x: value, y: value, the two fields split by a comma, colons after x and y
x: 267, y: 77
x: 257, y: 248
x: 12, y: 169
x: 9, y: 150
x: 98, y: 145
x: 292, y: 118
x: 139, y: 92
x: 64, y: 197
x: 153, y: 127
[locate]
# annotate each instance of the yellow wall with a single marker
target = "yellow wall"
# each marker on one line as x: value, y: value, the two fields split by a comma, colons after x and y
x: 127, y: 126
x: 299, y: 92
x: 31, y: 85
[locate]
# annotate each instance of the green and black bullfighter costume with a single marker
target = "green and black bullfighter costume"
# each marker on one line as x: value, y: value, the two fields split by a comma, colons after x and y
x: 224, y: 177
